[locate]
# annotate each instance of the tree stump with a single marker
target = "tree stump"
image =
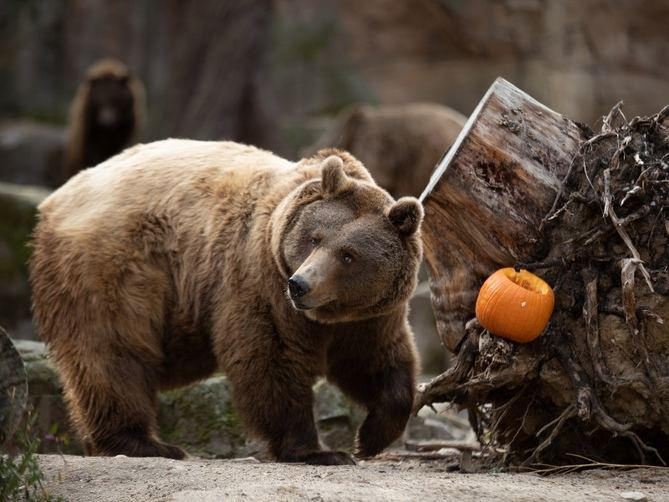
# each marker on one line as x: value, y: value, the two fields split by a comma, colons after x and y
x: 524, y: 186
x: 487, y: 197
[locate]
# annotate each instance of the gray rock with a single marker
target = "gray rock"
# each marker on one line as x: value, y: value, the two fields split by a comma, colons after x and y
x: 428, y: 428
x: 31, y: 153
x: 444, y: 424
x: 18, y: 206
x: 338, y: 419
x: 31, y: 350
x: 45, y: 394
x: 200, y: 417
x: 13, y: 388
x: 636, y: 496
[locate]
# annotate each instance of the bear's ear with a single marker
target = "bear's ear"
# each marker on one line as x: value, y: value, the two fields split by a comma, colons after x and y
x: 407, y: 215
x: 334, y: 179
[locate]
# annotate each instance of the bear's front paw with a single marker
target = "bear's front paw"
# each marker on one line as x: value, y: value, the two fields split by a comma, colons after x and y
x: 174, y: 452
x: 382, y: 426
x: 328, y: 458
x: 372, y: 440
x: 367, y: 450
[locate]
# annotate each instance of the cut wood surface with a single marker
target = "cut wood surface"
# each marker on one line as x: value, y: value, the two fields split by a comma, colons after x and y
x: 487, y: 197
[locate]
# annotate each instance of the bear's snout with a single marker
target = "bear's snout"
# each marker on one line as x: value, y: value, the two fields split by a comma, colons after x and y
x: 108, y: 116
x: 298, y: 287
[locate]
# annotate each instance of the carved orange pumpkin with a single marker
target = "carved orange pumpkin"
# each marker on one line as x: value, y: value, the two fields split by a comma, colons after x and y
x: 515, y: 305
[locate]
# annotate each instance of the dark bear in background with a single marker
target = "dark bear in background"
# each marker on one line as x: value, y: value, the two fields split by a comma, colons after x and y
x: 105, y: 115
x: 400, y: 145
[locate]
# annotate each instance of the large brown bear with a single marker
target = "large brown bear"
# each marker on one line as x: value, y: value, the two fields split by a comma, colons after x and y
x: 400, y: 145
x: 178, y: 258
x: 105, y: 115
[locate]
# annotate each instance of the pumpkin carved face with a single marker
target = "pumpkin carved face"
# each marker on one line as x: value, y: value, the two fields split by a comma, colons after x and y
x: 515, y: 305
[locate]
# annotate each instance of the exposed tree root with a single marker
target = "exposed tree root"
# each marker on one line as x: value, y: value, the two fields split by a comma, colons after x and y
x: 588, y: 407
x: 547, y: 470
x: 451, y: 385
x: 591, y: 318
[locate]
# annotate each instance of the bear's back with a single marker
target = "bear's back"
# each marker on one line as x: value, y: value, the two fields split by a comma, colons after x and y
x: 172, y: 173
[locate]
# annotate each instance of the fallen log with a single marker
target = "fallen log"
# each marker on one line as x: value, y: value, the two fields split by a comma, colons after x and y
x: 524, y: 186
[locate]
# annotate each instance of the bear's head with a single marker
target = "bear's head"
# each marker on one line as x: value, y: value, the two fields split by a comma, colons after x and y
x: 345, y: 248
x: 110, y: 102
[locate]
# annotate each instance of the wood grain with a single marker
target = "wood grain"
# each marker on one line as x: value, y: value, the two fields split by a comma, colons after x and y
x: 487, y: 197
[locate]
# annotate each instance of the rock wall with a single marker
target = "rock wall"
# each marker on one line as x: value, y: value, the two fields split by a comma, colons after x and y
x: 578, y: 57
x: 31, y: 153
x: 268, y: 71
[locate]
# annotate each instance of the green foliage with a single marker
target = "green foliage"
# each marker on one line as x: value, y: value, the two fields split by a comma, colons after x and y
x: 57, y: 437
x: 21, y: 477
x: 18, y: 205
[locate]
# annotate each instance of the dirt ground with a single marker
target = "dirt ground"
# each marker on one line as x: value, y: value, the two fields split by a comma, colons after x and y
x: 132, y: 479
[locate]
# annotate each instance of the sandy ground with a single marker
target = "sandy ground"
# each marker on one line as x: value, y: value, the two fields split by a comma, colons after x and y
x: 130, y: 479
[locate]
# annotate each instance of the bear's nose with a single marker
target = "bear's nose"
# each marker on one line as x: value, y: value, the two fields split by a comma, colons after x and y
x: 298, y: 287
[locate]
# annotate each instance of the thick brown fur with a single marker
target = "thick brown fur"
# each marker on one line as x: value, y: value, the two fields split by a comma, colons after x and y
x: 172, y: 260
x: 400, y: 144
x: 106, y: 114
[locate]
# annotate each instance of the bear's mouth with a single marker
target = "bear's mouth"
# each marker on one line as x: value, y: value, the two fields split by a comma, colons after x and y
x: 304, y: 304
x: 307, y: 300
x: 298, y: 305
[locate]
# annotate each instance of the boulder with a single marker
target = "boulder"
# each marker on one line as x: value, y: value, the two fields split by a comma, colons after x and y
x: 45, y: 395
x: 13, y: 389
x: 338, y: 419
x: 439, y: 424
x: 18, y: 206
x: 31, y: 153
x: 199, y: 417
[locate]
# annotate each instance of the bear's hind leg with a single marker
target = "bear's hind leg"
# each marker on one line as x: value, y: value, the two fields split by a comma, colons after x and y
x: 101, y: 310
x: 114, y: 404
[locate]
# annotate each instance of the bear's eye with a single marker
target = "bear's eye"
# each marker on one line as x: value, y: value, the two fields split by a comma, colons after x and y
x: 346, y: 258
x: 314, y: 241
